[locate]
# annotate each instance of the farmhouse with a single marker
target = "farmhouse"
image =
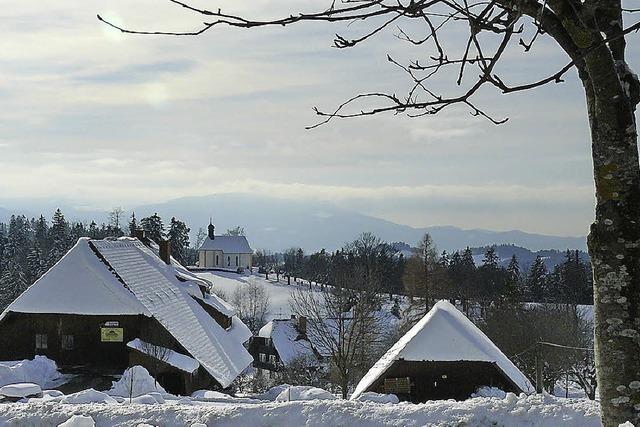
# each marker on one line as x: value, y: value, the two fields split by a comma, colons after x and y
x: 444, y: 356
x: 108, y: 304
x: 280, y: 342
x: 224, y: 252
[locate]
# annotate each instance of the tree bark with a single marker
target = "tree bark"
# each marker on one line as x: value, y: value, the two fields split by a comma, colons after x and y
x: 614, y: 239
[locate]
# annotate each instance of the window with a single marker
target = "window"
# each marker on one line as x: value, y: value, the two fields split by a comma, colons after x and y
x: 272, y: 359
x: 262, y: 357
x: 217, y: 259
x: 41, y: 341
x: 67, y: 342
x: 268, y: 342
x: 228, y: 261
x: 236, y: 260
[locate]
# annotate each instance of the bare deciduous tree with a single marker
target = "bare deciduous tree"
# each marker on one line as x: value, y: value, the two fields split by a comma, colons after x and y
x: 593, y: 35
x: 341, y: 323
x: 252, y: 302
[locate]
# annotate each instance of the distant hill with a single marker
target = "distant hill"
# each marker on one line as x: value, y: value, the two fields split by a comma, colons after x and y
x: 277, y: 224
x: 526, y: 257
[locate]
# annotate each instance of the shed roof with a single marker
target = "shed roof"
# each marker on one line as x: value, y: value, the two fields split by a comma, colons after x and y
x: 444, y: 334
x: 227, y: 244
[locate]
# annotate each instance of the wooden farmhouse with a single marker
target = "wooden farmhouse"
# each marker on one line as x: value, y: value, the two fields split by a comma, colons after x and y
x: 280, y: 343
x: 109, y: 304
x: 444, y: 356
x: 224, y: 252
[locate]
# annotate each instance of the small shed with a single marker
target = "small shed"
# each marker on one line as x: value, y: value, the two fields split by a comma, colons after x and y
x: 444, y: 356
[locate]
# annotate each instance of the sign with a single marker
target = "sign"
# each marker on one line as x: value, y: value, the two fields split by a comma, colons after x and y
x: 397, y: 385
x: 112, y: 324
x: 111, y: 334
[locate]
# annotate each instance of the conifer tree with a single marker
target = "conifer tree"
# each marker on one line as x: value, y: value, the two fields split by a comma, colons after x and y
x: 537, y: 280
x: 59, y: 237
x: 133, y: 225
x: 512, y: 291
x: 153, y: 227
x: 179, y: 238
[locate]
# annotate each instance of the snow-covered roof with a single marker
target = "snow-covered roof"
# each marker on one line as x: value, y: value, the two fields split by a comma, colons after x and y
x: 155, y: 285
x: 170, y: 357
x: 444, y: 334
x: 284, y: 335
x: 227, y: 244
x: 78, y: 284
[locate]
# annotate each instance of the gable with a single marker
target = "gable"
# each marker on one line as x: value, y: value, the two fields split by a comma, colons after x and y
x: 444, y: 334
x: 155, y: 286
x: 78, y: 284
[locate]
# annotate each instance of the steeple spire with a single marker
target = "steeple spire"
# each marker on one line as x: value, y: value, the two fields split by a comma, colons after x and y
x: 212, y: 229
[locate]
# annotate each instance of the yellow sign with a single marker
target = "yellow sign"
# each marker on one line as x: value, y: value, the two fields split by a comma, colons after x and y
x: 111, y: 334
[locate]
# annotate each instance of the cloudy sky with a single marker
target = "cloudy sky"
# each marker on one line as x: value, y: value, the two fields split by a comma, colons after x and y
x: 101, y: 119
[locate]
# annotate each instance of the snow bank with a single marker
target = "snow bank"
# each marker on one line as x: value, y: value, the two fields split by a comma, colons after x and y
x: 40, y: 370
x: 299, y: 392
x: 143, y: 383
x: 78, y: 421
x: 272, y: 393
x: 20, y: 390
x: 88, y: 396
x: 514, y: 411
x: 371, y: 396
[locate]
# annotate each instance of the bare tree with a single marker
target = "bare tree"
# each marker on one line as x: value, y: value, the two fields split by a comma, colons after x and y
x: 593, y: 36
x: 236, y: 231
x: 115, y: 217
x: 341, y: 322
x: 252, y: 302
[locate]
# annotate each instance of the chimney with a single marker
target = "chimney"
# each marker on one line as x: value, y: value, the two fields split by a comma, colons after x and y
x: 212, y: 230
x: 165, y: 251
x: 139, y: 234
x: 302, y: 325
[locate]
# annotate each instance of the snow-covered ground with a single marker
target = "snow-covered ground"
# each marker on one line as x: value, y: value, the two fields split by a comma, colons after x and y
x: 226, y: 283
x: 536, y: 410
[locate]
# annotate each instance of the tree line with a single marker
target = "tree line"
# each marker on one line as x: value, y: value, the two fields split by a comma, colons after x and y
x: 428, y: 275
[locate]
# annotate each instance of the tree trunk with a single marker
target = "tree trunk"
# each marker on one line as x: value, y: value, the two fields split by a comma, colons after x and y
x: 614, y: 239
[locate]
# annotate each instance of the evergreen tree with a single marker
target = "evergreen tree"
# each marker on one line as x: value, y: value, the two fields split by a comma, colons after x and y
x: 513, y: 284
x: 153, y: 227
x: 179, y: 238
x: 59, y: 238
x: 537, y: 280
x: 133, y: 224
x: 94, y: 231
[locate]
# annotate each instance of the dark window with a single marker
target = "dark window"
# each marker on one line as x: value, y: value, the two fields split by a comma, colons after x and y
x: 262, y: 357
x: 236, y: 260
x: 41, y: 341
x: 272, y: 359
x: 217, y: 259
x: 67, y: 342
x: 228, y: 261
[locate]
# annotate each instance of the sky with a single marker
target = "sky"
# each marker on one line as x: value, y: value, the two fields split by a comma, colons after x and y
x: 103, y: 119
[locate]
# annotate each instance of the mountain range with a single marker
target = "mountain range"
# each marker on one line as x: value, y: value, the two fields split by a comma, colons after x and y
x: 276, y: 224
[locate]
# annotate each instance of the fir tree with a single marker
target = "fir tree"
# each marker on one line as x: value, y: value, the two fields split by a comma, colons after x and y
x: 179, y: 238
x: 512, y: 291
x: 59, y: 237
x: 133, y: 225
x: 537, y: 280
x: 153, y: 227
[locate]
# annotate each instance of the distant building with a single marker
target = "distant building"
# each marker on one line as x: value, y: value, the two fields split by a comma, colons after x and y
x: 109, y: 304
x: 444, y: 356
x: 224, y: 252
